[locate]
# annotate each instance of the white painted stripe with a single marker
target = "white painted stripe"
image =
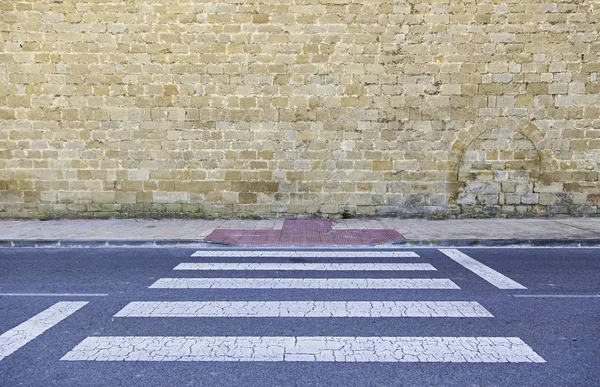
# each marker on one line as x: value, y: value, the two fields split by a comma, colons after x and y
x: 557, y: 295
x: 304, y: 309
x: 303, y: 283
x: 53, y: 294
x: 305, y: 349
x: 306, y: 254
x: 307, y: 266
x: 13, y: 339
x: 487, y: 273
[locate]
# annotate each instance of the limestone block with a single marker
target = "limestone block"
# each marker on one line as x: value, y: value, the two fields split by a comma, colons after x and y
x: 7, y: 113
x: 549, y: 199
x: 530, y: 198
x: 549, y: 187
x: 564, y: 101
x: 558, y: 88
x: 467, y: 199
x: 484, y: 186
x: 103, y: 197
x: 382, y: 165
x: 487, y: 199
x: 53, y: 17
x: 247, y: 198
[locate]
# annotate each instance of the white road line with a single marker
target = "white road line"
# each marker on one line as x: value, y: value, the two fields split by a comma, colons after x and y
x: 304, y: 309
x: 305, y: 349
x: 53, y: 294
x: 487, y: 273
x: 13, y: 339
x: 306, y: 254
x: 303, y: 283
x: 557, y: 295
x: 306, y: 266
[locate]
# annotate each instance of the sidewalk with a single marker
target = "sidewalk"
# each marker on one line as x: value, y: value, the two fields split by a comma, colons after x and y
x: 316, y: 232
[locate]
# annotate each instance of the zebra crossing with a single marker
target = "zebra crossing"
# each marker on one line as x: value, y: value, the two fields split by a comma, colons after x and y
x: 368, y: 348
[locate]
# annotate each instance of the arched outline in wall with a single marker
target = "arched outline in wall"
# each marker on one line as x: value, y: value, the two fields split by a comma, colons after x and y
x: 460, y: 147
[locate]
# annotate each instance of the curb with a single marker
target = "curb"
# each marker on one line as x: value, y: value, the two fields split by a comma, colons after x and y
x: 91, y: 243
x: 500, y: 242
x: 106, y: 243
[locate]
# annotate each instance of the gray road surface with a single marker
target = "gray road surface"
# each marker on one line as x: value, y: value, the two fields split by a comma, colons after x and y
x: 546, y: 334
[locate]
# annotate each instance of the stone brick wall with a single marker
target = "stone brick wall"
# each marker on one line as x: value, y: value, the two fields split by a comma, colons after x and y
x: 299, y: 107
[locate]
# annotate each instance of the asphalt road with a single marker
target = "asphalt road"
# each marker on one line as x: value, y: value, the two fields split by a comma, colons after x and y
x: 557, y: 316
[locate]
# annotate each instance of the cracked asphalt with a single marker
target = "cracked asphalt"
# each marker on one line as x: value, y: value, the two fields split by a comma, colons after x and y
x: 286, y: 336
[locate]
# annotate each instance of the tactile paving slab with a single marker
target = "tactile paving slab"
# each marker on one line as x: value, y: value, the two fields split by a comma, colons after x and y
x: 304, y: 232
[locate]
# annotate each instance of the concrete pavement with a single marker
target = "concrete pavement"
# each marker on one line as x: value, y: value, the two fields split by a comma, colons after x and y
x: 458, y: 232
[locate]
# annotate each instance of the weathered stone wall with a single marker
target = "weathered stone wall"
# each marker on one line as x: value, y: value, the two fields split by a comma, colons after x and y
x: 299, y: 107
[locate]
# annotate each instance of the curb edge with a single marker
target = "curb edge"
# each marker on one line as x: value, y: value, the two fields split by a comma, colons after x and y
x: 89, y: 243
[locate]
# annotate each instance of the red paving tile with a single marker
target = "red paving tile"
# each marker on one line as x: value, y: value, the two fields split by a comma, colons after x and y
x: 304, y: 232
x: 306, y: 225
